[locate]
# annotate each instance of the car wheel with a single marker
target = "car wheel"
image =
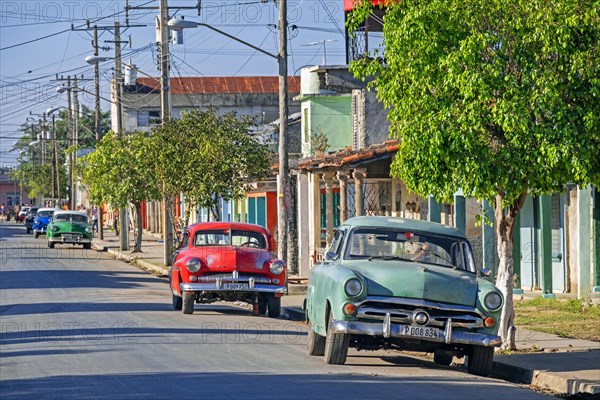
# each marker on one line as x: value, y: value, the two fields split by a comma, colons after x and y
x: 87, y: 246
x: 51, y: 245
x: 315, y: 343
x: 36, y: 235
x: 336, y: 345
x: 442, y: 359
x: 274, y: 306
x: 480, y: 361
x: 177, y: 302
x: 262, y: 305
x: 188, y: 301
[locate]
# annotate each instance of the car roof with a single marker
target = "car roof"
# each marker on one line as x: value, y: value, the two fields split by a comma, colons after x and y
x: 405, y: 224
x: 228, y: 225
x: 62, y: 212
x: 47, y: 209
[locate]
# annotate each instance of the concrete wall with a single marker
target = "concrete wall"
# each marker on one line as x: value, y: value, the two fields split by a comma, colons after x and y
x: 329, y: 115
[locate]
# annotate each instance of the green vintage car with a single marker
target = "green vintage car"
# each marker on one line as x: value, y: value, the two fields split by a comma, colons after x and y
x: 402, y: 284
x: 70, y: 227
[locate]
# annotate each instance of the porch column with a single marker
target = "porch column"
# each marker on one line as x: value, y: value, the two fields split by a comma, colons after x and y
x: 395, y: 198
x: 342, y: 177
x: 488, y: 243
x: 596, y: 233
x: 584, y: 199
x: 359, y: 176
x: 328, y: 178
x: 434, y: 212
x: 303, y: 234
x: 516, y: 255
x: 546, y: 244
x: 315, y: 210
x: 460, y: 211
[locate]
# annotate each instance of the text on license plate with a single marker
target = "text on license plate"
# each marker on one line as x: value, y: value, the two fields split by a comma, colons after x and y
x: 236, y: 286
x: 418, y: 331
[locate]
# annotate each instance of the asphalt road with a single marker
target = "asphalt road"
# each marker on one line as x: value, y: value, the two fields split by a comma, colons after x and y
x: 75, y: 324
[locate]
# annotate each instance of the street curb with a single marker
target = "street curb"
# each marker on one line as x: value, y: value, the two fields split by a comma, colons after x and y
x: 156, y: 270
x: 544, y: 379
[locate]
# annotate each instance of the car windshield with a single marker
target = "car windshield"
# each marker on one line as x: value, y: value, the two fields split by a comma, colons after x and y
x: 447, y: 251
x: 73, y: 218
x: 234, y: 238
x: 44, y: 214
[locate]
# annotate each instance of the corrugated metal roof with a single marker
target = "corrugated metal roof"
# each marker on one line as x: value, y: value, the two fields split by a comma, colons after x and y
x: 220, y: 84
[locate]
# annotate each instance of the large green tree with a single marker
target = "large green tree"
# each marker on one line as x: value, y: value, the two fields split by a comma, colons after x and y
x: 499, y: 98
x: 206, y: 157
x: 120, y: 172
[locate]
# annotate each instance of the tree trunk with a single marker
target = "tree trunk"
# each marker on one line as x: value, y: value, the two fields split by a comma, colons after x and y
x: 138, y: 228
x: 505, y: 220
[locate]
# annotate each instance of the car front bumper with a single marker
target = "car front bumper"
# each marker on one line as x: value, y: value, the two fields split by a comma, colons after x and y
x: 227, y: 287
x: 388, y: 329
x: 74, y: 240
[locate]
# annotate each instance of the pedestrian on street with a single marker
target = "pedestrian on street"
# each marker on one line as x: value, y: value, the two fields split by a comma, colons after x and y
x: 2, y: 212
x: 116, y: 221
x: 95, y: 219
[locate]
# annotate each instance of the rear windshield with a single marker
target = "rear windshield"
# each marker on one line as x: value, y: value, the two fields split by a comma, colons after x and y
x: 228, y: 237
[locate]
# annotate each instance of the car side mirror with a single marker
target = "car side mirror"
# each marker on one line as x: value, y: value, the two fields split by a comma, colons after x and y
x: 331, y: 256
x: 486, y: 272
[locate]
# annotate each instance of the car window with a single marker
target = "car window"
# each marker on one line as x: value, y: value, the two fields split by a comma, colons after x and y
x: 61, y: 217
x: 211, y: 237
x: 45, y: 213
x: 248, y: 239
x: 336, y: 244
x: 410, y: 246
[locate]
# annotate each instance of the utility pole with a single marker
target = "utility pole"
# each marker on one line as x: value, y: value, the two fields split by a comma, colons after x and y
x: 76, y: 144
x: 283, y: 189
x: 165, y: 110
x: 97, y: 122
x: 123, y: 215
x: 71, y: 136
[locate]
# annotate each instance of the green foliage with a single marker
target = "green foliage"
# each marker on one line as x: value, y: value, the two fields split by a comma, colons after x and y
x: 319, y: 142
x: 120, y: 170
x: 207, y: 156
x: 490, y: 96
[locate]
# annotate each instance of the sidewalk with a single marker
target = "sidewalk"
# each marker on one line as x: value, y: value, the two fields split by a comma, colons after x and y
x: 562, y: 365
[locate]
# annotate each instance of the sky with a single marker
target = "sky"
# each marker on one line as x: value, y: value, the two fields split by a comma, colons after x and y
x: 37, y: 43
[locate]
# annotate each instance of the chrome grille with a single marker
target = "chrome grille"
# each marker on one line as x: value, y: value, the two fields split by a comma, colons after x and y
x: 229, y: 278
x: 402, y: 310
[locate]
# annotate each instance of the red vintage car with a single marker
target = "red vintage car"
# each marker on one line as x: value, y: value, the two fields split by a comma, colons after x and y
x: 228, y: 261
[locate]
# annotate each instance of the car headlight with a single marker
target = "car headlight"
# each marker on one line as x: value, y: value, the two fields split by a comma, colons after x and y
x: 493, y: 301
x: 54, y: 228
x: 353, y: 287
x: 193, y: 265
x: 277, y: 267
x: 88, y: 229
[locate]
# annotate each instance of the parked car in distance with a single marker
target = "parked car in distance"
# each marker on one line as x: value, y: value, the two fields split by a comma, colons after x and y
x: 69, y: 227
x: 22, y: 213
x: 402, y: 284
x: 41, y: 220
x: 228, y: 261
x: 29, y: 219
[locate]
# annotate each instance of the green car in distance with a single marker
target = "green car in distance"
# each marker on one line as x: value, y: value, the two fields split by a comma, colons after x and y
x: 393, y: 283
x: 69, y: 227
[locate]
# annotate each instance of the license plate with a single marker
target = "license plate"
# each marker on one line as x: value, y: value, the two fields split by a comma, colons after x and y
x: 236, y: 286
x: 418, y: 331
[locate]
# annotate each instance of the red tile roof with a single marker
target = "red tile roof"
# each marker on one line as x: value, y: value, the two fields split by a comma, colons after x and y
x: 348, y: 156
x: 221, y: 84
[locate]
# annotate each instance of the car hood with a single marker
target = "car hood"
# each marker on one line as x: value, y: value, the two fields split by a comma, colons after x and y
x: 418, y: 281
x: 228, y: 258
x: 71, y: 227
